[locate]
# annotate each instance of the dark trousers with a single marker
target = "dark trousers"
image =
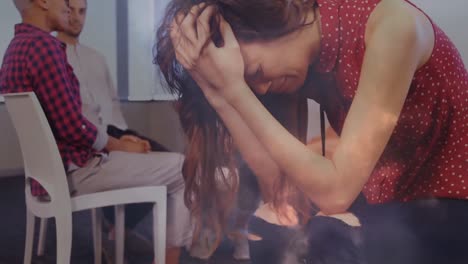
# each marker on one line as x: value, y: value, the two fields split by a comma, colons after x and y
x: 134, y: 213
x: 432, y: 231
x: 424, y: 231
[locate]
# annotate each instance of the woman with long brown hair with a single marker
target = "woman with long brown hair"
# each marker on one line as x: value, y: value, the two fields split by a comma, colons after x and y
x: 210, y: 192
x: 390, y: 81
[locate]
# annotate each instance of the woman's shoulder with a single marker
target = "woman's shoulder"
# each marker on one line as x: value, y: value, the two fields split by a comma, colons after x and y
x: 402, y: 22
x: 399, y: 13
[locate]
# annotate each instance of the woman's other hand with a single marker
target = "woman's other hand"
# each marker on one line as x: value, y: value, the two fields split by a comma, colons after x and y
x: 217, y: 70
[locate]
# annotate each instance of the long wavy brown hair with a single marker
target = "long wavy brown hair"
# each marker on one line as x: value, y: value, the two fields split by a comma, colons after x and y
x: 210, y: 192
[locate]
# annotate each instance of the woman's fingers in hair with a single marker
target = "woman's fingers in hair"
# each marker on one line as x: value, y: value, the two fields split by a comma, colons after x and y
x: 227, y: 34
x: 190, y: 33
x: 175, y: 31
x: 180, y: 43
x: 197, y: 27
x: 203, y: 26
x: 189, y: 23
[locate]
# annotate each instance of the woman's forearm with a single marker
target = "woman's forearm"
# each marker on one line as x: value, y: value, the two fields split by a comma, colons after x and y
x: 317, y: 176
x: 253, y: 152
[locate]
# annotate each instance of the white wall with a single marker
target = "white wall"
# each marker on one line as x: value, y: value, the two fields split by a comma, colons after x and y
x: 143, y: 77
x: 8, y: 17
x: 144, y: 17
x: 452, y: 17
x: 100, y: 31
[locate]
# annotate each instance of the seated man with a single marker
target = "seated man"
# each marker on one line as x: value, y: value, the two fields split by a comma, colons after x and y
x: 100, y: 105
x: 36, y: 61
x: 99, y: 97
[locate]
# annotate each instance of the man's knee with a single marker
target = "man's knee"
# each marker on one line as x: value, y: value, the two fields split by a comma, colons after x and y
x: 168, y: 170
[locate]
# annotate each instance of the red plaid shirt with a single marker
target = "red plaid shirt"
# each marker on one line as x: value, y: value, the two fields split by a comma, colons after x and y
x: 36, y: 61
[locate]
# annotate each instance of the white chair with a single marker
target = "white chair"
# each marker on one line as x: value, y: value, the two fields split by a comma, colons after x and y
x: 42, y: 162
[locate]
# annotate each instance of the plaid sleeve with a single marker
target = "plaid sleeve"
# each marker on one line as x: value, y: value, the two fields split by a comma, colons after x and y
x: 59, y: 95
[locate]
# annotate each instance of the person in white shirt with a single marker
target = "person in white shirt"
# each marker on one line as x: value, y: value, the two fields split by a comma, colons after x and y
x: 100, y: 105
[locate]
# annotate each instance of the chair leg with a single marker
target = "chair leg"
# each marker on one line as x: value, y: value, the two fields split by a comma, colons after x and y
x: 159, y: 231
x: 28, y: 248
x: 42, y: 236
x: 119, y: 234
x: 96, y: 218
x: 63, y: 222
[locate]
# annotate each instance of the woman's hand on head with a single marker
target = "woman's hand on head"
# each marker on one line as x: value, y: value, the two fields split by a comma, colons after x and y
x: 217, y: 70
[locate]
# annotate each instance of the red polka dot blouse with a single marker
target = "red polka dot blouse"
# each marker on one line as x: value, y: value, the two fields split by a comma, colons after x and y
x: 427, y: 153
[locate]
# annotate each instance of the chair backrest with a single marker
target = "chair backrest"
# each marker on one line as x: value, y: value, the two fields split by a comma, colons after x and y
x: 41, y: 156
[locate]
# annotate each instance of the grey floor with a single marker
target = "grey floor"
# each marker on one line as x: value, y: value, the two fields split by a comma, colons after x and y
x: 12, y: 233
